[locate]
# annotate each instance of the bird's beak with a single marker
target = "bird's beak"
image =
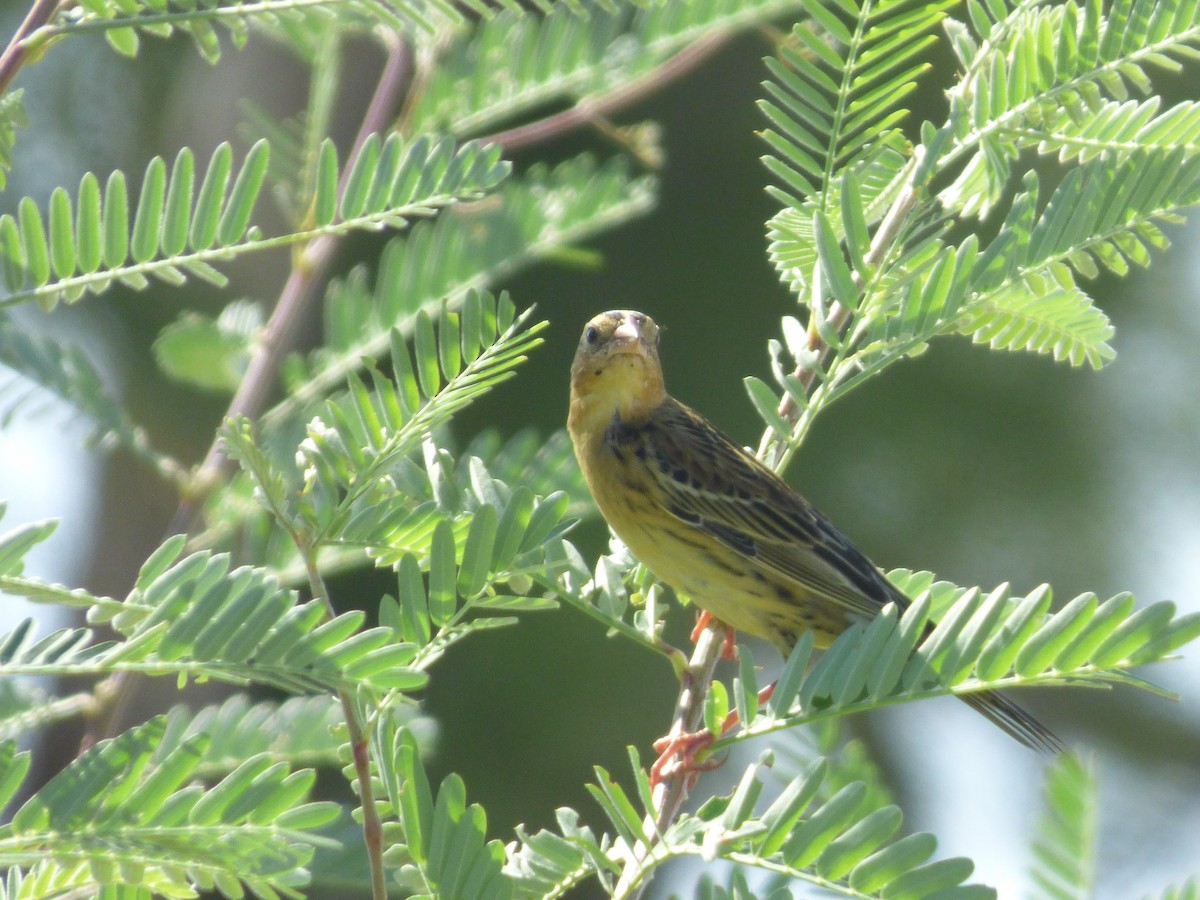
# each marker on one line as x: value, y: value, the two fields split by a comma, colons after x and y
x: 628, y: 337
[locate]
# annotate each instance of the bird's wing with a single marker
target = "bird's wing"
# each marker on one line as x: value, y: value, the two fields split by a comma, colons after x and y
x: 709, y: 482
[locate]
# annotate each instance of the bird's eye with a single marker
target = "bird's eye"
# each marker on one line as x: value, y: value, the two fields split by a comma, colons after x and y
x: 591, y: 334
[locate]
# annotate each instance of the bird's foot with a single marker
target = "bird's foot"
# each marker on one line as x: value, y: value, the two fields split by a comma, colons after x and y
x: 728, y: 647
x: 680, y: 754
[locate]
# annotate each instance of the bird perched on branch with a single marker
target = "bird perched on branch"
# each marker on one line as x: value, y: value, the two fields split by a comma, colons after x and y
x: 711, y: 520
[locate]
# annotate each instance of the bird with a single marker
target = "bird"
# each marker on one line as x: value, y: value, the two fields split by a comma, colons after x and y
x: 712, y: 521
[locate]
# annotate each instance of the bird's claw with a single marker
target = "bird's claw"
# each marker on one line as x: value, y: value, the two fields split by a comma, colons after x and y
x: 678, y: 754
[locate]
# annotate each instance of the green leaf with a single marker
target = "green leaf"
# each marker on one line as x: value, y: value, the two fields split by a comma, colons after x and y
x: 240, y: 206
x: 358, y: 182
x: 147, y: 221
x: 834, y: 270
x: 782, y: 815
x: 882, y: 868
x: 34, y: 246
x: 17, y: 542
x: 1064, y: 845
x: 62, y: 235
x: 206, y: 219
x: 927, y: 880
x: 477, y: 553
x: 142, y: 815
x: 178, y: 212
x: 767, y: 404
x: 204, y: 352
x: 816, y: 832
x: 443, y: 592
x: 325, y: 192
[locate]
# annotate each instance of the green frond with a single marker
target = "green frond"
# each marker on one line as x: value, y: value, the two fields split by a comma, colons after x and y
x: 862, y: 193
x: 362, y: 436
x: 1020, y: 291
x: 1104, y: 214
x: 834, y: 838
x: 836, y: 90
x: 58, y: 368
x: 370, y: 483
x: 981, y: 642
x: 621, y: 595
x: 197, y: 618
x: 1064, y: 845
x: 548, y: 862
x: 1119, y: 128
x: 131, y: 815
x: 17, y: 542
x: 533, y: 217
x: 544, y: 465
x: 1058, y: 78
x: 481, y: 563
x: 476, y: 84
x: 46, y: 879
x: 1043, y: 317
x: 12, y: 117
x: 1107, y: 214
x: 124, y: 22
x: 300, y: 732
x: 178, y: 232
x: 560, y: 56
x: 442, y: 848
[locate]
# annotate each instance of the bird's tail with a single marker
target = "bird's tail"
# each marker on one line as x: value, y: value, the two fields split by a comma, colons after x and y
x: 1014, y: 720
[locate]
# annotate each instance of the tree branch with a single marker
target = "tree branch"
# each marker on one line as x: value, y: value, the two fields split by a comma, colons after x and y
x: 671, y: 791
x: 300, y: 293
x: 589, y: 110
x: 16, y: 52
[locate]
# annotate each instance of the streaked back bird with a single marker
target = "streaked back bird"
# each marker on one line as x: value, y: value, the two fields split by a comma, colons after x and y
x: 712, y: 521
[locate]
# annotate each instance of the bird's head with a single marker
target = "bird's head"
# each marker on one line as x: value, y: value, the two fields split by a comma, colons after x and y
x: 616, y: 369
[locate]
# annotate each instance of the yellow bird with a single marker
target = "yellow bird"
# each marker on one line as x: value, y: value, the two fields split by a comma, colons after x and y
x: 712, y: 521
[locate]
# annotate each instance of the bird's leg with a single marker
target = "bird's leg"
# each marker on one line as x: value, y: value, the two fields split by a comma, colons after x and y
x: 683, y: 749
x: 729, y: 648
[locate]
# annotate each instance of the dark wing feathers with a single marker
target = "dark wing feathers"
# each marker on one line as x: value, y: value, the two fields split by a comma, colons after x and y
x: 712, y: 484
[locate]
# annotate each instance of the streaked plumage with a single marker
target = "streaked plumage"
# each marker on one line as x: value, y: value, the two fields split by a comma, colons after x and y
x: 710, y: 520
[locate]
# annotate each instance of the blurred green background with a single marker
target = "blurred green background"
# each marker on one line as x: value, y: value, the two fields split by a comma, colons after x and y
x: 979, y: 466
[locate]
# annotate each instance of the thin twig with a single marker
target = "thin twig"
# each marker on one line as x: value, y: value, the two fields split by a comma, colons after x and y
x: 372, y: 825
x: 671, y: 791
x: 17, y: 52
x: 590, y: 109
x: 299, y: 294
x: 818, y: 348
x: 301, y: 291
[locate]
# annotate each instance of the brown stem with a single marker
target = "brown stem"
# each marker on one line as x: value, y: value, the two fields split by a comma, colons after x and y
x: 671, y: 791
x: 16, y: 53
x: 881, y: 244
x: 590, y: 109
x: 372, y: 825
x: 300, y: 293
